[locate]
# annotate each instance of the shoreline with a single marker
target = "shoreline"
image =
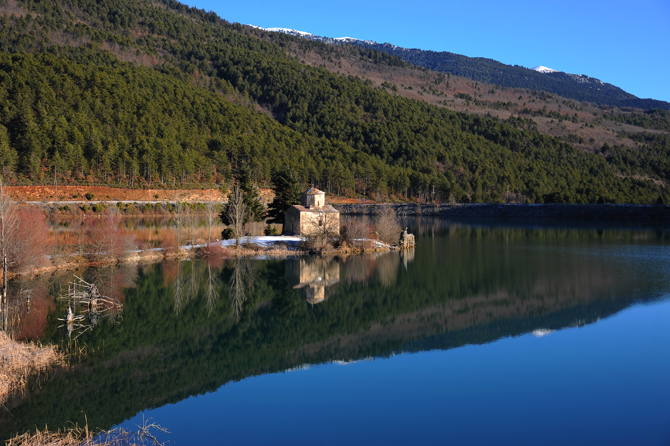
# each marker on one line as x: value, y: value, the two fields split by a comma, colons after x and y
x: 562, y: 211
x: 250, y: 250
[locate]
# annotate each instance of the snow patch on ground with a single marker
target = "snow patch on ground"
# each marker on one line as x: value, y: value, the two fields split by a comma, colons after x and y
x: 265, y: 241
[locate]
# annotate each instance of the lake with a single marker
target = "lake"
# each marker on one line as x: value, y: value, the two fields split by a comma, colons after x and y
x: 486, y: 333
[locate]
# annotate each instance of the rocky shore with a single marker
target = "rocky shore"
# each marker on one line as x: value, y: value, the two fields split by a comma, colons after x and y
x: 552, y: 211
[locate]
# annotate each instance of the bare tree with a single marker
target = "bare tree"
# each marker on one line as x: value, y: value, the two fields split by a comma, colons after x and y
x: 107, y: 238
x: 236, y: 212
x: 212, y: 210
x: 387, y: 226
x: 8, y: 225
x: 321, y: 226
x: 179, y: 222
x: 356, y: 231
x: 191, y: 221
x: 80, y: 233
x: 30, y: 238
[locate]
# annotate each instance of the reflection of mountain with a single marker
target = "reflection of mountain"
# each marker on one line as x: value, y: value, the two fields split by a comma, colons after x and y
x: 466, y: 285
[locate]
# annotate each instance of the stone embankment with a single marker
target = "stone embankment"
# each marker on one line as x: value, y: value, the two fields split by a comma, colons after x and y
x: 553, y: 211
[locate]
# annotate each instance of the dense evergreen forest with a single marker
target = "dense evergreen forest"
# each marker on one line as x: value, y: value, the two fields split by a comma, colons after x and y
x: 139, y: 93
x: 480, y: 69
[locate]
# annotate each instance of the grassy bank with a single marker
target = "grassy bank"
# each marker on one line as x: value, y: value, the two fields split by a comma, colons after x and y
x: 19, y: 360
x: 77, y: 436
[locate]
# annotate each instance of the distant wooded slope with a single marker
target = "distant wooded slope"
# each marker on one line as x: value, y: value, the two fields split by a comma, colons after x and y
x: 159, y: 94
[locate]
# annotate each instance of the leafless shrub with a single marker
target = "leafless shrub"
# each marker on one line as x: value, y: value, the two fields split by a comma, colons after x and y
x: 316, y: 242
x: 191, y: 220
x: 23, y: 240
x: 169, y: 243
x: 356, y: 232
x: 212, y: 210
x: 107, y: 239
x: 387, y: 226
x: 29, y: 239
x: 215, y: 249
x: 180, y: 223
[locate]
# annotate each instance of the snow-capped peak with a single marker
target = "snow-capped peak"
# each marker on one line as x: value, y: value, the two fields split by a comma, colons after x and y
x: 346, y: 39
x: 293, y: 32
x: 311, y: 36
x: 541, y: 69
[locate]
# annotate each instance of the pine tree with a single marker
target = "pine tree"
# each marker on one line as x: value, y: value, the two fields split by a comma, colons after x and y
x: 8, y: 156
x: 287, y: 193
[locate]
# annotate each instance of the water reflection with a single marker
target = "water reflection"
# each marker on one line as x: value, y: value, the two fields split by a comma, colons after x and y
x: 312, y: 275
x: 186, y: 280
x: 241, y: 285
x: 190, y: 327
x: 86, y: 307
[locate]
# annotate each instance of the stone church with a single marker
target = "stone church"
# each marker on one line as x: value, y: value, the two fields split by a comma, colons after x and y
x: 313, y: 216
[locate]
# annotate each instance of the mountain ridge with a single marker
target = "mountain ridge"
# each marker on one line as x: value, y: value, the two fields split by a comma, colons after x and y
x: 573, y: 86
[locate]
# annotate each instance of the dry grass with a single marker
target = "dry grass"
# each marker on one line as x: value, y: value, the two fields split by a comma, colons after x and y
x: 69, y: 438
x: 20, y: 360
x: 82, y: 437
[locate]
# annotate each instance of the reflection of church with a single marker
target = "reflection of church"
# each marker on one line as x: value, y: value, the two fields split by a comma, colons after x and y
x: 312, y: 275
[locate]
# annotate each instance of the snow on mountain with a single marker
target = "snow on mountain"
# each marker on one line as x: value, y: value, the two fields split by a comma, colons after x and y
x: 351, y: 39
x: 582, y: 79
x: 542, y: 69
x: 311, y: 36
x: 293, y: 32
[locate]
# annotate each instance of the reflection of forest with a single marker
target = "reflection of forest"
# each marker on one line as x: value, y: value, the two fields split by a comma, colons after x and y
x: 463, y: 285
x: 33, y: 301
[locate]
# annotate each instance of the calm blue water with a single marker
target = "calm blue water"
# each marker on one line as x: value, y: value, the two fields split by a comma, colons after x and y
x: 605, y: 383
x: 484, y: 334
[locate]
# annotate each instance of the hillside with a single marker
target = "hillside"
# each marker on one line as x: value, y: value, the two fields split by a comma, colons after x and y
x: 572, y: 86
x: 577, y: 87
x: 156, y: 94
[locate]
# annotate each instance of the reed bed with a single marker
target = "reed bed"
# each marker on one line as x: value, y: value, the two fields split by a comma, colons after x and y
x: 20, y: 360
x: 83, y: 437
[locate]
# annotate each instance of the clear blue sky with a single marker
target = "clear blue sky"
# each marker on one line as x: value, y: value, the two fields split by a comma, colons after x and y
x: 625, y: 43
